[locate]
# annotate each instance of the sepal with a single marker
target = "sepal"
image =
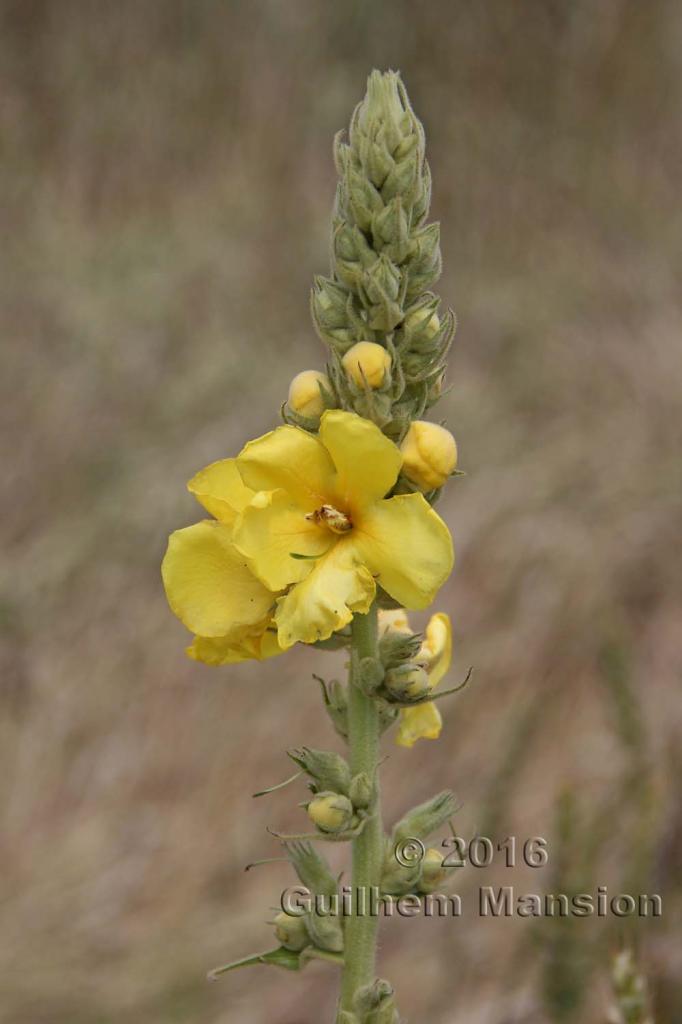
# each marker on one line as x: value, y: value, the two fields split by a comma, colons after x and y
x: 325, y: 931
x: 361, y: 791
x: 426, y: 818
x: 327, y: 769
x: 336, y: 704
x: 375, y: 1004
x: 280, y: 957
x: 311, y: 868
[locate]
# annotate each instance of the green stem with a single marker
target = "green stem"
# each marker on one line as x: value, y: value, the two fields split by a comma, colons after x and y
x: 360, y: 934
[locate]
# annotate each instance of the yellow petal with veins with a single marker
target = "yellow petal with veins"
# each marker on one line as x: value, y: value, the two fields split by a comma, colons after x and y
x: 325, y: 601
x: 407, y: 547
x: 367, y: 463
x: 271, y: 531
x: 223, y: 651
x: 208, y: 583
x: 221, y: 490
x: 437, y: 647
x: 422, y: 722
x: 293, y: 460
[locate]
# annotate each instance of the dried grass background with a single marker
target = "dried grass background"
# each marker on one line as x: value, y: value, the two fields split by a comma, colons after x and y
x: 166, y: 186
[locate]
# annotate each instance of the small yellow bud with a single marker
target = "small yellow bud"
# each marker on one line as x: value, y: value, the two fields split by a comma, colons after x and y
x: 429, y: 454
x: 367, y: 362
x: 426, y: 328
x: 291, y: 931
x: 331, y: 812
x: 408, y: 681
x: 433, y: 872
x: 304, y: 393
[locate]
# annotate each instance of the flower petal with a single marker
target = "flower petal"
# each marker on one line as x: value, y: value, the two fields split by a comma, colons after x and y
x: 208, y: 583
x: 437, y: 647
x: 291, y: 459
x: 223, y: 651
x: 422, y: 722
x: 271, y: 530
x: 221, y: 490
x: 324, y: 602
x: 393, y: 620
x: 407, y: 546
x: 367, y: 463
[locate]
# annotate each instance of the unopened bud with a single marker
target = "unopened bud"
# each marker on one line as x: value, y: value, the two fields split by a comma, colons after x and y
x: 331, y: 812
x: 325, y: 931
x: 361, y: 791
x: 429, y: 455
x: 291, y: 931
x: 421, y: 324
x: 367, y: 363
x: 433, y: 872
x: 305, y: 396
x: 375, y: 1003
x: 407, y: 682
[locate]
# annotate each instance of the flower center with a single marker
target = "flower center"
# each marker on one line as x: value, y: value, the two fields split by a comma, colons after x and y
x: 327, y: 515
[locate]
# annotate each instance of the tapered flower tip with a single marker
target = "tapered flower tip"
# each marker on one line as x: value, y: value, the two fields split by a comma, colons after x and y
x: 383, y: 99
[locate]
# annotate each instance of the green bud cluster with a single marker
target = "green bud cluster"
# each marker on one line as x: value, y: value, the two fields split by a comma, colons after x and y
x: 375, y: 1004
x: 340, y: 800
x: 419, y: 874
x: 385, y: 257
x: 317, y: 930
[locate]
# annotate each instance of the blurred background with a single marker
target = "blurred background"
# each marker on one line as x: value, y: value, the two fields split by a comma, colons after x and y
x: 166, y: 183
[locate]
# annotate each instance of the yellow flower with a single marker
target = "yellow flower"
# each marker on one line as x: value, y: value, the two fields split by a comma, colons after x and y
x: 367, y: 363
x: 429, y: 454
x: 319, y: 525
x: 423, y: 721
x: 229, y: 650
x: 305, y: 396
x: 208, y: 582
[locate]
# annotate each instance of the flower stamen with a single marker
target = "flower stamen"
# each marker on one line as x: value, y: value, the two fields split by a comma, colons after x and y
x: 327, y: 515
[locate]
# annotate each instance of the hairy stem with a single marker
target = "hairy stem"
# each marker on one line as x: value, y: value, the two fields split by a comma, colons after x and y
x: 363, y: 736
